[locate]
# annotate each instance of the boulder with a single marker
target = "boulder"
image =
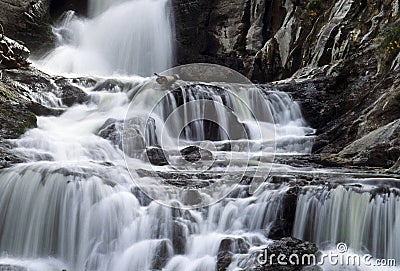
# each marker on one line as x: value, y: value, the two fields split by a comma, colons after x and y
x: 227, y: 248
x: 71, y: 94
x: 194, y: 154
x: 162, y: 255
x: 12, y: 53
x: 156, y: 156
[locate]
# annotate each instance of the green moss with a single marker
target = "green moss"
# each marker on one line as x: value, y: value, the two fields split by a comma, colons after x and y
x: 391, y: 41
x: 315, y: 5
x: 15, y: 121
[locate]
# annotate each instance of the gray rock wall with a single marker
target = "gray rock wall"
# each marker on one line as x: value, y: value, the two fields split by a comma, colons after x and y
x: 27, y: 21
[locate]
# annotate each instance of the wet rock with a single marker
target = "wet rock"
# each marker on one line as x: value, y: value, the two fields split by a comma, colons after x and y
x: 28, y: 21
x: 179, y: 233
x: 23, y: 81
x: 162, y: 255
x: 70, y: 94
x: 41, y: 110
x: 285, y: 246
x: 227, y: 248
x: 379, y: 148
x: 15, y: 119
x: 110, y: 85
x: 124, y: 135
x: 156, y: 156
x: 134, y: 142
x: 12, y: 53
x: 224, y: 259
x: 192, y: 196
x: 60, y: 6
x: 235, y: 245
x: 84, y: 81
x: 194, y: 154
x: 112, y: 130
x: 284, y: 223
x: 7, y: 158
x: 142, y: 197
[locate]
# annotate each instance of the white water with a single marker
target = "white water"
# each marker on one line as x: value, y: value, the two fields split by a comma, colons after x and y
x: 130, y: 37
x: 364, y: 222
x: 74, y: 205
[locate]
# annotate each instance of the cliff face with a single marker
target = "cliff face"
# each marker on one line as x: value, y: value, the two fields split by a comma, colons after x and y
x: 27, y: 21
x: 271, y: 40
x: 342, y: 58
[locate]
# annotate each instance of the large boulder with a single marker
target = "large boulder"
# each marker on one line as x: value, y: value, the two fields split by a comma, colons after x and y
x: 157, y: 156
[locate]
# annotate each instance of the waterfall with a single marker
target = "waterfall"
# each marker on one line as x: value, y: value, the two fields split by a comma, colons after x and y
x: 237, y: 113
x: 121, y: 37
x: 366, y: 221
x: 74, y: 206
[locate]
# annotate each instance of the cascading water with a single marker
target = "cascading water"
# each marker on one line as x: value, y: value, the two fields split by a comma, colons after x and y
x: 73, y: 205
x: 123, y: 37
x: 365, y: 220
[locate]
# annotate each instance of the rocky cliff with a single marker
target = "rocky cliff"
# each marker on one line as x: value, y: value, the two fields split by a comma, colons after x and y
x: 27, y: 21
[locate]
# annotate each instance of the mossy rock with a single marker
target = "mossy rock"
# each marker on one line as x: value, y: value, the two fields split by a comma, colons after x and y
x: 15, y: 120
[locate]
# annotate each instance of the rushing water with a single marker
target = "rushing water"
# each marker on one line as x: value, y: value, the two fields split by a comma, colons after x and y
x: 130, y: 37
x: 73, y: 205
x: 75, y: 202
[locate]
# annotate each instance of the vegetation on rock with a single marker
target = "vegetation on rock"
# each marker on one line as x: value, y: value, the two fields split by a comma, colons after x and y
x: 391, y: 42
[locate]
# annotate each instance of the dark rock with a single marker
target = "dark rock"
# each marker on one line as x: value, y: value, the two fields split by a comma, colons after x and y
x: 142, y: 197
x: 194, y: 154
x: 224, y: 259
x: 22, y: 80
x: 70, y: 94
x: 285, y: 246
x: 15, y: 119
x: 112, y: 130
x: 179, y: 233
x: 284, y: 223
x: 156, y: 156
x: 162, y: 255
x: 57, y: 7
x: 7, y: 158
x: 192, y: 196
x: 28, y: 21
x: 12, y: 53
x: 227, y: 248
x: 84, y: 81
x: 235, y: 245
x: 110, y: 85
x: 41, y: 110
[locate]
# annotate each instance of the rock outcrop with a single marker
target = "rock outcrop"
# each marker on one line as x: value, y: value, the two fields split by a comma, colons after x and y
x: 27, y: 21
